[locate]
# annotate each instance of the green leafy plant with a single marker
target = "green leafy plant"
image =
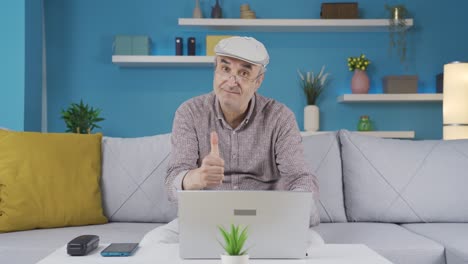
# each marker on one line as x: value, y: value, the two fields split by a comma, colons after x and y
x: 234, y: 240
x: 313, y: 85
x: 81, y: 118
x: 360, y: 63
x: 398, y: 29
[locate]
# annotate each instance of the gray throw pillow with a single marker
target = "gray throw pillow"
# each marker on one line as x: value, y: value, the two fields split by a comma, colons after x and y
x: 404, y: 181
x: 322, y: 154
x: 133, y: 173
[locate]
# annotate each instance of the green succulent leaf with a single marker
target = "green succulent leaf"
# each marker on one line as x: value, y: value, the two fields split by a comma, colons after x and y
x: 81, y: 118
x: 234, y: 240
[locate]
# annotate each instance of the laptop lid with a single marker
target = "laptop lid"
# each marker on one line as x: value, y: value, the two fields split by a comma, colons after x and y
x: 277, y: 221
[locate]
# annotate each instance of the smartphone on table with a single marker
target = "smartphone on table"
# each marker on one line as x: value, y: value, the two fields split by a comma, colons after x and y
x: 119, y: 250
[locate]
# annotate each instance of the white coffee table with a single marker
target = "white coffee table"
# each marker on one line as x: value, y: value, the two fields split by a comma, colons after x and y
x: 169, y: 254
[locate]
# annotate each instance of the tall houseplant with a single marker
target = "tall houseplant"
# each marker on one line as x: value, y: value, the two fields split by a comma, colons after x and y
x: 81, y: 118
x: 233, y: 245
x: 398, y: 29
x: 313, y: 86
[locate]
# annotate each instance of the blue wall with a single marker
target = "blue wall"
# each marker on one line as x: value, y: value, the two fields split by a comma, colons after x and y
x: 33, y: 66
x: 21, y: 50
x: 12, y: 20
x: 140, y: 102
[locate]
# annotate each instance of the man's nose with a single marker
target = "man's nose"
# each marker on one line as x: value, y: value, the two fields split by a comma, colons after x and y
x: 232, y: 80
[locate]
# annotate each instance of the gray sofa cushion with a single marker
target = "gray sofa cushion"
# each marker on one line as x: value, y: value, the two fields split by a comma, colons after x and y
x: 133, y: 173
x: 322, y: 154
x: 454, y: 236
x: 28, y: 247
x: 389, y: 240
x: 403, y: 181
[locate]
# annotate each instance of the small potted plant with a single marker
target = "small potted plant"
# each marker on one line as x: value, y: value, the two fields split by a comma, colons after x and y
x: 398, y: 28
x: 233, y: 245
x: 80, y: 118
x: 313, y: 86
x: 360, y: 81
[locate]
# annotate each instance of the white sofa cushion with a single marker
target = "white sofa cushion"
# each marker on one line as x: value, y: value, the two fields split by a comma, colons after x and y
x: 404, y: 181
x: 28, y: 247
x: 133, y: 173
x: 322, y: 154
x: 454, y: 236
x: 389, y: 240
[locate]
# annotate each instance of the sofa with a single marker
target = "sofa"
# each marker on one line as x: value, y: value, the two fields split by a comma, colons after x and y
x: 404, y: 199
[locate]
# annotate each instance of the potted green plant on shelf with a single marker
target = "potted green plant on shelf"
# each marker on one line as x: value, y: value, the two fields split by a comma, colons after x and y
x: 360, y: 82
x: 233, y: 245
x: 398, y: 28
x: 81, y: 118
x: 313, y: 86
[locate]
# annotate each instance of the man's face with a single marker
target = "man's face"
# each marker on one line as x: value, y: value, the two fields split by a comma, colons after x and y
x: 235, y: 82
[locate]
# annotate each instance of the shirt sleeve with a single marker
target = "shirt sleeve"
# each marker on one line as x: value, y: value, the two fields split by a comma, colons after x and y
x: 184, y: 151
x: 289, y: 153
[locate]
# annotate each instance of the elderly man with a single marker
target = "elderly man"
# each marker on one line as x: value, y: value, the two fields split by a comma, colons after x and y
x: 235, y: 139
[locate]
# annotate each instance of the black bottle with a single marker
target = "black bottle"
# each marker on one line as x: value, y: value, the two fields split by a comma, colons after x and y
x: 216, y: 11
x: 191, y: 46
x: 179, y: 46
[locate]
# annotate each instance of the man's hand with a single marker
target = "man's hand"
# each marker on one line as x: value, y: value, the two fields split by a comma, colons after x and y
x: 211, y: 171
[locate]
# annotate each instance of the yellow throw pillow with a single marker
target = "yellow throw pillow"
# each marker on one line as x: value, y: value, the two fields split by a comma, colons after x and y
x: 49, y: 180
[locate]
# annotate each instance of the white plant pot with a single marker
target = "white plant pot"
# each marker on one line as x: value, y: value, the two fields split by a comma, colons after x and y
x: 311, y: 118
x: 226, y: 259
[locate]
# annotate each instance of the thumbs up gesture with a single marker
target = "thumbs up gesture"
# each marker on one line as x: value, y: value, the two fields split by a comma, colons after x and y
x: 211, y: 171
x: 214, y: 144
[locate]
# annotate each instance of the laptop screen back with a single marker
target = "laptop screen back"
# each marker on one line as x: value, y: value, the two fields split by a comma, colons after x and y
x: 277, y: 221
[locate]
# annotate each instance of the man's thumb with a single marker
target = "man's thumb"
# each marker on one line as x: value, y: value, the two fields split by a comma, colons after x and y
x: 214, y: 143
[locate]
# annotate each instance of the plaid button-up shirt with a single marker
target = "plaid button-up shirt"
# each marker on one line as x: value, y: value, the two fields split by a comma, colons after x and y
x: 264, y: 152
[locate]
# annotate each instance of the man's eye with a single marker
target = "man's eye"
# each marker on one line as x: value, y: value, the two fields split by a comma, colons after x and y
x: 244, y: 74
x: 225, y: 69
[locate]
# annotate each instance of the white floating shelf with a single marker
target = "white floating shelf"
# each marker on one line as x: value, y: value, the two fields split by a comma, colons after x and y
x: 389, y: 98
x: 382, y: 134
x: 291, y: 25
x: 153, y: 61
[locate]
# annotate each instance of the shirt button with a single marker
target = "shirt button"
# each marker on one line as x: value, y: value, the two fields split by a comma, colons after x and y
x: 235, y: 187
x: 233, y: 132
x: 234, y: 155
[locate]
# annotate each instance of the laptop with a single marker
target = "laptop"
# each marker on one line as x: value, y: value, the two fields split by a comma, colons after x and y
x: 277, y: 221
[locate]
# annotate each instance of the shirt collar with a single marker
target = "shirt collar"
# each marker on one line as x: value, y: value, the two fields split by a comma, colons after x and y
x: 219, y: 112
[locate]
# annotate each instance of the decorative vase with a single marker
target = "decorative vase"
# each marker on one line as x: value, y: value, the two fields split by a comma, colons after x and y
x: 216, y: 11
x: 311, y: 118
x: 197, y: 13
x: 226, y: 259
x: 360, y: 82
x: 364, y: 124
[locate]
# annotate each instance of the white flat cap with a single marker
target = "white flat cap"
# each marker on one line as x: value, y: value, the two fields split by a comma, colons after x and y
x: 243, y: 48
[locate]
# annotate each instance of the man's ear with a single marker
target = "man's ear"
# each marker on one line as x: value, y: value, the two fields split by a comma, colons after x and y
x: 259, y: 81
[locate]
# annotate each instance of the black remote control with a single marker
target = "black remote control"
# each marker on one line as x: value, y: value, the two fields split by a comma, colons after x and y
x: 82, y: 245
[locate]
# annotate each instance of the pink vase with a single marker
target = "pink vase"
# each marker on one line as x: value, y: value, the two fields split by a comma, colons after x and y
x: 360, y: 82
